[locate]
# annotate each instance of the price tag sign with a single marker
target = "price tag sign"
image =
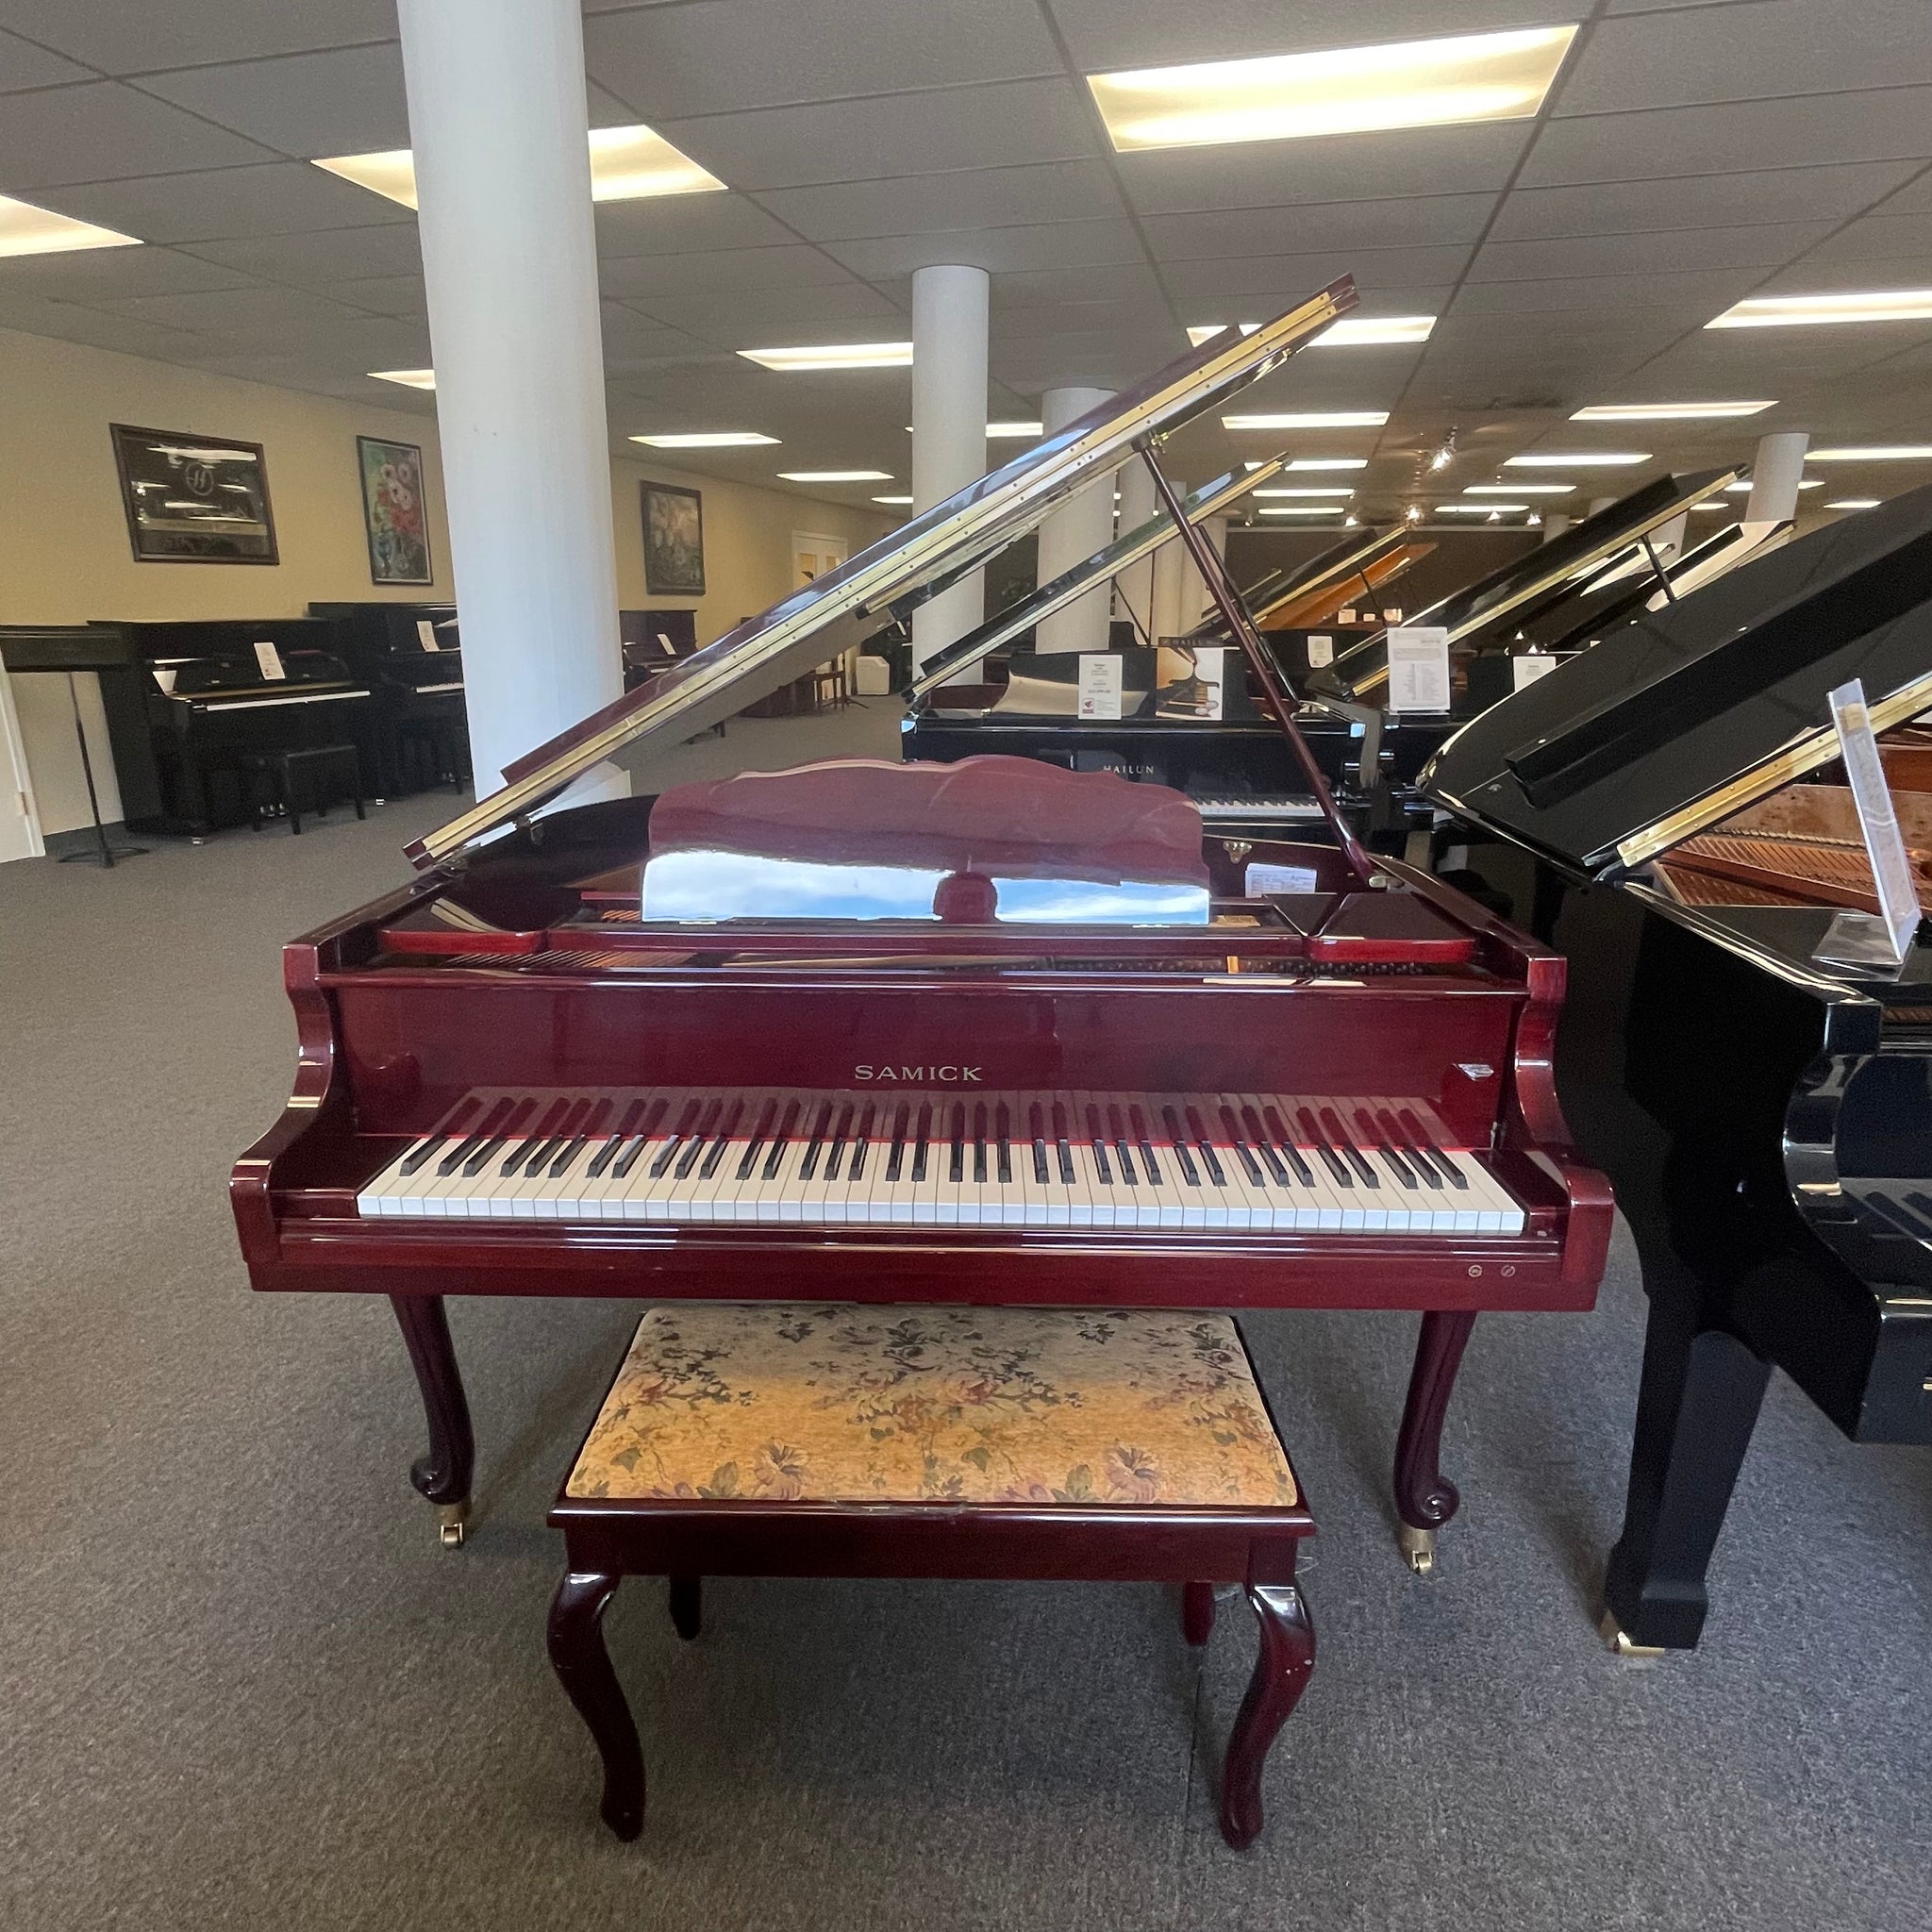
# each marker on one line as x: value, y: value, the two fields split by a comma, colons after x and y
x: 425, y: 635
x: 1100, y: 684
x: 1419, y: 668
x: 1527, y: 669
x: 270, y: 659
x: 1885, y: 845
x: 1321, y: 651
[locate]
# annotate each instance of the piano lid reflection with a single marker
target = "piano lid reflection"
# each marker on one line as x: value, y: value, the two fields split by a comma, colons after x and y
x: 1765, y: 1111
x: 989, y: 1032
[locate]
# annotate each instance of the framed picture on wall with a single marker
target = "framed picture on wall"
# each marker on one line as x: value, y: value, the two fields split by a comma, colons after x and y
x: 194, y: 499
x: 673, y: 540
x: 395, y: 518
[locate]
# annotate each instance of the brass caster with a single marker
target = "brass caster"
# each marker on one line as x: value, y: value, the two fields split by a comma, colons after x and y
x: 452, y: 1523
x: 1619, y: 1641
x: 1418, y: 1547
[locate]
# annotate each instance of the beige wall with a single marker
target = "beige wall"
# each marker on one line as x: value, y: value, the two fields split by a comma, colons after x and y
x: 64, y: 555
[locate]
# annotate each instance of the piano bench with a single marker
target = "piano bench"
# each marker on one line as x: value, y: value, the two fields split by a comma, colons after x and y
x: 813, y: 1440
x: 327, y: 770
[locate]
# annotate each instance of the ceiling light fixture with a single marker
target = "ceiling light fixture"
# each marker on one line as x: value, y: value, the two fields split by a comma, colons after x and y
x: 834, y: 475
x: 26, y: 229
x: 1577, y: 460
x: 1742, y: 488
x: 409, y: 379
x: 1854, y: 503
x: 895, y: 502
x: 1797, y: 311
x: 1496, y: 76
x: 1311, y: 419
x: 1353, y: 331
x: 627, y: 164
x: 1476, y: 509
x: 707, y: 438
x: 1334, y: 491
x: 1518, y: 489
x: 1300, y: 510
x: 1875, y: 453
x: 834, y: 356
x: 1666, y: 413
x: 1000, y: 431
x: 1325, y: 463
x: 1446, y: 454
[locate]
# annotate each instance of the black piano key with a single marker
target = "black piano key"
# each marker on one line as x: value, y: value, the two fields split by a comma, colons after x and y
x: 1035, y: 1122
x: 1238, y: 1139
x: 624, y: 1128
x: 1263, y: 1137
x: 979, y: 1143
x: 837, y: 1152
x: 1337, y: 1135
x: 718, y: 1139
x: 627, y: 1157
x: 530, y: 1142
x: 1391, y: 1158
x: 1392, y: 1129
x: 896, y: 1158
x: 561, y: 1166
x: 809, y: 1167
x: 1418, y: 1139
x: 766, y: 1115
x: 1209, y: 1160
x: 1097, y: 1140
x: 1144, y: 1141
x: 1004, y: 1123
x: 686, y: 1120
x: 501, y: 1114
x: 957, y: 1171
x: 861, y: 1140
x: 695, y: 1136
x: 1061, y: 1146
x: 1123, y: 1159
x: 786, y: 1127
x: 459, y: 1118
x: 1285, y: 1142
x: 923, y: 1131
x: 420, y: 1152
x: 1178, y: 1140
x: 1311, y: 1132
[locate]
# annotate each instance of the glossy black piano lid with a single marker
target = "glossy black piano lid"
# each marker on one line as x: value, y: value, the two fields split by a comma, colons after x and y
x: 1659, y: 727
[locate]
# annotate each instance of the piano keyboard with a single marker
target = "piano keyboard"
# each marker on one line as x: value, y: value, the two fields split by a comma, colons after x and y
x: 294, y: 697
x: 768, y: 1156
x: 1280, y: 810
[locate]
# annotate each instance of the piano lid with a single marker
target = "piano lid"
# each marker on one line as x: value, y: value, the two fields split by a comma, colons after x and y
x: 1682, y: 716
x: 1528, y: 582
x: 1027, y: 611
x: 821, y: 621
x: 1315, y: 594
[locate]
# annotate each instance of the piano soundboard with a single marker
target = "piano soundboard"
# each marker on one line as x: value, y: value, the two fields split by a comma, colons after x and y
x: 1339, y: 1164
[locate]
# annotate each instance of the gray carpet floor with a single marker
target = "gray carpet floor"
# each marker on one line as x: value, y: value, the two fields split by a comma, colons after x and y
x: 245, y: 1689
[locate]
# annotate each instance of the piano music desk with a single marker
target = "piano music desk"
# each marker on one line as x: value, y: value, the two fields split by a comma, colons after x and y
x: 1025, y: 1444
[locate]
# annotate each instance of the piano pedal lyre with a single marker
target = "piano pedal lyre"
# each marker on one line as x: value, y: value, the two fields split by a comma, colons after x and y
x: 1620, y: 1641
x: 1418, y: 1547
x: 452, y: 1523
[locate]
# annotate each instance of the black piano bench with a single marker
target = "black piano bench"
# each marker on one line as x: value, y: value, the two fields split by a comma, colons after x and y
x: 812, y: 1440
x: 328, y: 771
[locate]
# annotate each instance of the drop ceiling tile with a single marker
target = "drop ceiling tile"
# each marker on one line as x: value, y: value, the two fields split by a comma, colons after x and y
x: 1131, y: 284
x: 67, y: 322
x: 970, y: 198
x: 1903, y: 241
x: 722, y: 56
x: 1768, y: 247
x: 104, y: 131
x: 1744, y: 360
x: 1001, y: 250
x: 319, y: 260
x: 1106, y: 35
x: 781, y: 316
x: 684, y: 224
x: 279, y: 198
x: 385, y: 295
x: 1809, y: 131
x: 1283, y: 279
x: 636, y: 336
x: 347, y: 101
x: 118, y: 38
x: 238, y: 311
x: 1697, y: 294
x: 1746, y: 53
x: 721, y: 271
x: 106, y: 274
x: 1406, y: 223
x: 1703, y: 201
x: 1107, y: 358
x: 24, y: 65
x: 925, y: 133
x: 1914, y: 199
x: 1418, y: 161
x: 1819, y: 274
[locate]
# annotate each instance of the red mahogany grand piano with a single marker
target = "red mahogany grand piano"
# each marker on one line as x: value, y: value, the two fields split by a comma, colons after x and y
x: 989, y: 1032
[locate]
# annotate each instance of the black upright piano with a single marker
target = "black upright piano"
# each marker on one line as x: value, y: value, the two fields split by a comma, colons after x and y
x: 410, y: 656
x: 1763, y: 1106
x: 189, y: 700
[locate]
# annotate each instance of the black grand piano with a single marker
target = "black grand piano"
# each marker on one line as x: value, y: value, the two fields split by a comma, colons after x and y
x: 1764, y: 1109
x: 189, y: 700
x: 410, y: 656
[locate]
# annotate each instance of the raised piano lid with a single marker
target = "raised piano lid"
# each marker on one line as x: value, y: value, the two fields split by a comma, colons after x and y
x: 921, y: 557
x: 1530, y: 582
x: 1682, y: 716
x: 1314, y: 598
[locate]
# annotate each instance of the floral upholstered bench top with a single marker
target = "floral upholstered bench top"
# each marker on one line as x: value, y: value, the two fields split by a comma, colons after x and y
x: 832, y: 1402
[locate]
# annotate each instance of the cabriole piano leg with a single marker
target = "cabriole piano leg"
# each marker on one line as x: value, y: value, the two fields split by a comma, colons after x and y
x: 583, y: 1668
x: 444, y: 1475
x: 1426, y: 1499
x: 1281, y: 1675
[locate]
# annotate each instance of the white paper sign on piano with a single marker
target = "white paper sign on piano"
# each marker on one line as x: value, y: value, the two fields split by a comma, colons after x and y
x: 1100, y: 684
x: 1321, y: 651
x: 1858, y: 938
x: 270, y: 659
x: 1419, y: 668
x: 425, y: 633
x: 1527, y: 667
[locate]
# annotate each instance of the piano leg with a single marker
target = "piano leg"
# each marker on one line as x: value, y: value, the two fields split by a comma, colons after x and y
x: 582, y: 1664
x: 1698, y: 1402
x: 1426, y: 1499
x: 1281, y: 1675
x: 444, y: 1475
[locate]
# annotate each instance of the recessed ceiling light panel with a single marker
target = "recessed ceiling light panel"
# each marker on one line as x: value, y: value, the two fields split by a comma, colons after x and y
x: 26, y: 229
x: 834, y: 475
x: 1498, y: 76
x: 895, y: 502
x: 1327, y: 464
x: 1311, y: 419
x: 1518, y: 489
x: 1577, y: 460
x: 1666, y: 412
x: 409, y: 379
x: 1798, y: 311
x: 707, y: 438
x: 834, y: 356
x: 1875, y: 453
x: 1475, y: 509
x: 1338, y: 491
x: 1300, y: 510
x: 1006, y: 431
x: 1742, y: 488
x: 1854, y: 503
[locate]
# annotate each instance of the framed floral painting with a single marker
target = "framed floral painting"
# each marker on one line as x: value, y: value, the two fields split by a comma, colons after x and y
x: 673, y: 541
x: 395, y: 518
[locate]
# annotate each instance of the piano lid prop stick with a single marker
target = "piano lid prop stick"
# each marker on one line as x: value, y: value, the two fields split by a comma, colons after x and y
x: 1240, y: 626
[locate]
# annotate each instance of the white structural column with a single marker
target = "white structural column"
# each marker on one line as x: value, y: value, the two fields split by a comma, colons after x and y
x: 503, y: 176
x: 1776, y: 471
x: 1081, y: 525
x: 1134, y: 587
x: 948, y: 426
x: 1554, y: 523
